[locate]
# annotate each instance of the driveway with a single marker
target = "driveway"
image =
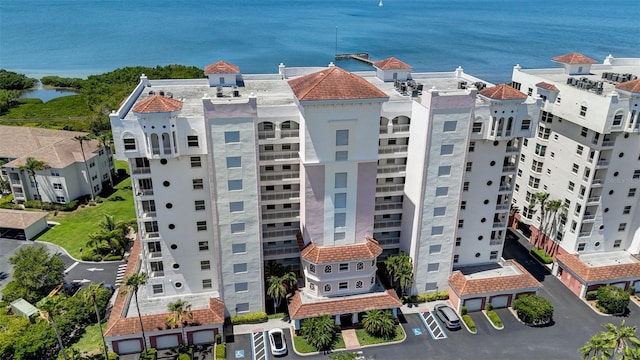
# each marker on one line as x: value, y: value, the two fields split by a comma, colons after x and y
x: 8, y: 247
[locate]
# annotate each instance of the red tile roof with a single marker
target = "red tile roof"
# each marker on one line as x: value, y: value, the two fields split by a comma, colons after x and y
x: 631, y: 86
x: 544, y: 85
x: 119, y: 325
x: 157, y: 104
x: 502, y: 92
x: 343, y: 305
x: 334, y: 83
x: 590, y: 274
x: 322, y: 255
x: 221, y: 67
x: 464, y: 286
x: 574, y: 58
x: 391, y: 64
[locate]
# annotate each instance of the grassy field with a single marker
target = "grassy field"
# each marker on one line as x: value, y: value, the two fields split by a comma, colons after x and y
x: 303, y: 346
x: 62, y: 107
x: 365, y: 339
x: 90, y: 341
x: 75, y: 227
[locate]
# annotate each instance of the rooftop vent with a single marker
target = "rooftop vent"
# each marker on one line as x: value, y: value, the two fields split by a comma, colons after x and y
x: 408, y: 88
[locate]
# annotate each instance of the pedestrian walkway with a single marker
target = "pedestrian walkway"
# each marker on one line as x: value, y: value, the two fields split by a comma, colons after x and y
x: 120, y: 274
x: 350, y: 339
x: 266, y: 326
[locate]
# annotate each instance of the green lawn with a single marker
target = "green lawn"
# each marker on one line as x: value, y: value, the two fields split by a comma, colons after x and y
x: 75, y: 227
x: 303, y: 346
x: 62, y: 107
x: 365, y: 339
x: 90, y: 341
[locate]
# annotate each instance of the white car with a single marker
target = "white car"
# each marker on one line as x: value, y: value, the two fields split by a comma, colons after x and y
x: 277, y: 342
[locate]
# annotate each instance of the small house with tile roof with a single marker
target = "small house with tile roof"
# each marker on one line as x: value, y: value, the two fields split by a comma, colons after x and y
x: 222, y: 73
x: 392, y: 69
x: 66, y: 177
x: 575, y: 63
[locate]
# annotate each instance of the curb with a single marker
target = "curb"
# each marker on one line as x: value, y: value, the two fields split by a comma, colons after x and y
x: 595, y: 309
x: 484, y: 312
x: 293, y: 345
x: 63, y: 250
x: 466, y: 327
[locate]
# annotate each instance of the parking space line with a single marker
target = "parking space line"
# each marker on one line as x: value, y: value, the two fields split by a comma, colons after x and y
x: 258, y: 344
x: 430, y: 322
x: 66, y: 271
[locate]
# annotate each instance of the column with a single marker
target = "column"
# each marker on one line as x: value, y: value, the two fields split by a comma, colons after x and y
x: 338, y: 320
x: 354, y: 318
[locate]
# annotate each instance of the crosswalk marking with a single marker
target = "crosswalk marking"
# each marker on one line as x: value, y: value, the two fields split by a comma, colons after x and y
x: 258, y: 341
x: 120, y: 274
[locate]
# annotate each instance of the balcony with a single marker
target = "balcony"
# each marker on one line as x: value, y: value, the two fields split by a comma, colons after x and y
x: 584, y: 234
x: 271, y: 215
x: 387, y: 224
x: 391, y: 149
x: 16, y: 182
x: 144, y: 192
x: 155, y: 255
x: 279, y: 175
x: 383, y: 129
x: 512, y: 149
x: 593, y: 200
x: 389, y: 188
x: 281, y: 251
x: 388, y: 241
x: 269, y: 234
x: 400, y: 128
x: 280, y: 196
x: 503, y: 206
x: 140, y: 170
x: 18, y: 195
x: 602, y: 163
x: 155, y: 274
x: 390, y: 169
x: 608, y: 143
x: 389, y: 206
x: 148, y: 214
x: 499, y: 224
x: 505, y: 187
x: 150, y: 235
x: 289, y: 133
x: 266, y: 134
x: 278, y: 155
x: 597, y: 182
x: 588, y: 218
x: 508, y: 168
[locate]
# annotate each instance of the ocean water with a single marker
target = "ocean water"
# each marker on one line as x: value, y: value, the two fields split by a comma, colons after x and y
x: 486, y: 37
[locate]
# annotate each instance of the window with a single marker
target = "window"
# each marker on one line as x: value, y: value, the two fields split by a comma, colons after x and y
x: 546, y: 117
x: 360, y: 266
x: 57, y: 186
x: 327, y: 288
x: 622, y: 227
x: 236, y: 206
x: 239, y: 248
x: 444, y: 171
x: 439, y: 211
x: 571, y: 185
x: 205, y: 265
x: 617, y: 243
x: 472, y: 146
x: 617, y: 120
x: 583, y: 111
x: 581, y: 246
x: 458, y: 241
x: 463, y: 205
x: 543, y: 133
x: 344, y: 267
x: 312, y: 268
x: 327, y: 269
x: 446, y: 149
x: 477, y: 127
x: 241, y: 286
x: 197, y: 184
x: 207, y: 284
x: 468, y: 166
x: 449, y: 126
x: 636, y: 174
x: 437, y: 230
x: 493, y: 255
x: 536, y: 166
x: 526, y: 124
x: 456, y: 258
x: 342, y: 137
x: 203, y: 245
x: 433, y: 267
x: 525, y: 142
x: 60, y: 199
x: 522, y: 157
x: 442, y: 191
x: 540, y: 149
x: 234, y: 185
x: 465, y: 186
x: 534, y: 182
x: 242, y: 307
x: 575, y: 168
x: 584, y: 131
x: 55, y: 172
x: 435, y: 249
x: 130, y: 145
x: 530, y: 91
x: 201, y: 225
x: 342, y: 155
x: 156, y: 266
x: 231, y: 137
x: 627, y: 210
x: 199, y: 205
x: 343, y: 286
x: 192, y: 140
x: 157, y: 288
x: 237, y: 228
x: 359, y: 284
x: 460, y: 223
x: 196, y: 162
x: 579, y: 149
x: 340, y: 201
x: 516, y: 85
x: 234, y: 162
x: 632, y: 192
x: 340, y: 220
x: 341, y: 180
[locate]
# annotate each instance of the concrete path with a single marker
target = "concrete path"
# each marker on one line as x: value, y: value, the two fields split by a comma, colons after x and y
x: 350, y: 339
x: 271, y: 324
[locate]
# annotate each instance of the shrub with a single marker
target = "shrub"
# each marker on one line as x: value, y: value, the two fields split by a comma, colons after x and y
x: 256, y: 317
x: 470, y: 323
x: 495, y: 319
x: 184, y: 357
x: 32, y: 204
x: 112, y: 257
x: 541, y: 255
x: 96, y: 257
x: 442, y: 295
x: 489, y: 306
x: 221, y: 351
x: 7, y: 205
x: 631, y: 290
x: 150, y: 354
x: 71, y: 206
x: 612, y: 299
x: 463, y: 310
x: 533, y: 309
x: 591, y: 295
x: 116, y: 198
x: 99, y: 200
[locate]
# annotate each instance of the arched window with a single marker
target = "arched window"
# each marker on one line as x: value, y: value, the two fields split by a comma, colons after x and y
x: 509, y: 125
x: 155, y: 144
x: 166, y: 143
x: 289, y: 129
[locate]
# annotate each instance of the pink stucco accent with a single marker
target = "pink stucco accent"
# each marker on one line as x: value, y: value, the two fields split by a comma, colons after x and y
x: 366, y: 200
x: 312, y: 203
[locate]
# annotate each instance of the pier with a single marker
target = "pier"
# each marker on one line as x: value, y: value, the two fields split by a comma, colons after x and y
x: 362, y: 56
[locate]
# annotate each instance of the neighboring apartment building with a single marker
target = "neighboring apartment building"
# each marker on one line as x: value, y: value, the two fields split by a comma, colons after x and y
x: 309, y: 168
x: 66, y: 177
x: 586, y: 153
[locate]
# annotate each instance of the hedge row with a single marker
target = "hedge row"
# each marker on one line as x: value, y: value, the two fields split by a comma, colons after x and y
x: 470, y: 323
x: 541, y: 255
x: 221, y: 351
x: 252, y: 318
x: 442, y: 295
x: 495, y: 319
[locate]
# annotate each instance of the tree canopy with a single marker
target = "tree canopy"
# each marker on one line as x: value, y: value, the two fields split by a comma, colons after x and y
x: 35, y: 273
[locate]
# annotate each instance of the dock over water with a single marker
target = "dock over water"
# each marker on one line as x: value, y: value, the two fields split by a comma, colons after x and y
x: 362, y: 56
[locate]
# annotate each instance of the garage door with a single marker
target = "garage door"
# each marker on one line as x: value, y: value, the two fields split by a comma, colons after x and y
x: 473, y: 304
x: 203, y: 337
x: 129, y: 346
x: 500, y: 301
x: 167, y: 341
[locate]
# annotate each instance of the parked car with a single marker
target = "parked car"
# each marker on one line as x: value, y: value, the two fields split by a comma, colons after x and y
x: 448, y: 317
x: 277, y: 342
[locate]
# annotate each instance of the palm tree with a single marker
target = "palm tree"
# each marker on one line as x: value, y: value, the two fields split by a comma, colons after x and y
x: 400, y: 270
x: 134, y: 282
x: 555, y: 208
x: 621, y: 336
x: 276, y: 289
x: 31, y: 166
x: 81, y: 139
x: 104, y: 141
x: 539, y: 200
x: 180, y: 310
x: 319, y: 332
x: 90, y: 297
x: 597, y: 348
x: 51, y: 306
x: 379, y: 323
x: 616, y: 340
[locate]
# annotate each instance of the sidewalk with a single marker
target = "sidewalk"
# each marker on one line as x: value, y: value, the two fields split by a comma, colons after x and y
x: 265, y: 326
x: 423, y: 307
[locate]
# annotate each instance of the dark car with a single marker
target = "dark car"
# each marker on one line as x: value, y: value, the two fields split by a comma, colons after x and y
x: 448, y: 317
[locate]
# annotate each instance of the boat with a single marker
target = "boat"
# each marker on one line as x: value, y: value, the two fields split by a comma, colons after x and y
x: 380, y: 4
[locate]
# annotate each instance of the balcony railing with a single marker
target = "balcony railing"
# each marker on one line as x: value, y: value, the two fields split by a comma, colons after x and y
x: 387, y: 224
x: 389, y: 206
x: 584, y: 234
x: 148, y: 214
x: 280, y: 196
x: 144, y: 192
x: 280, y: 175
x: 18, y: 194
x: 512, y: 149
x: 509, y: 168
x: 603, y: 162
x: 280, y: 215
x: 391, y: 169
x: 588, y: 217
x: 157, y: 274
x: 495, y: 242
x: 289, y: 133
x: 266, y: 134
x: 141, y: 170
x: 150, y: 235
x: 389, y: 241
x: 279, y: 233
x: 275, y: 155
x: 608, y: 143
x: 597, y: 181
x: 499, y: 224
x: 16, y: 182
x: 503, y: 207
x: 390, y: 188
x: 281, y: 251
x: 390, y: 149
x: 400, y: 128
x: 593, y: 199
x: 505, y: 187
x: 155, y: 255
